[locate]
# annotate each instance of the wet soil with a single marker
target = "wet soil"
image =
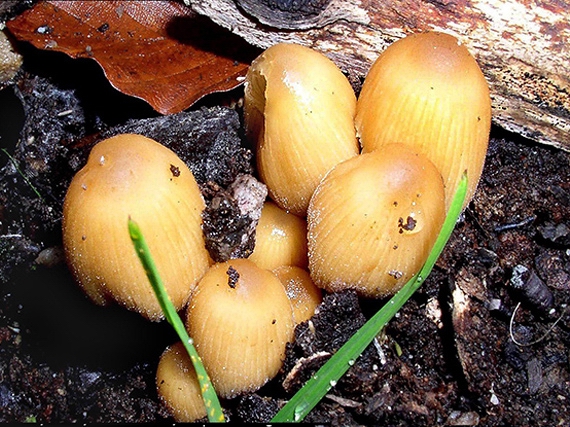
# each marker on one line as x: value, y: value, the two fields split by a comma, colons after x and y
x: 456, y: 353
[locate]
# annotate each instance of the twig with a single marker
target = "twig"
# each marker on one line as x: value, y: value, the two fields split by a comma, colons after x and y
x: 515, y: 225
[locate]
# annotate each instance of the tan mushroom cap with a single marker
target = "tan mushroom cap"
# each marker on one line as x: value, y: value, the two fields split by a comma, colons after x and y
x: 304, y: 295
x: 240, y: 320
x: 299, y: 109
x: 280, y: 239
x: 373, y: 221
x: 178, y: 386
x: 427, y: 91
x: 133, y: 176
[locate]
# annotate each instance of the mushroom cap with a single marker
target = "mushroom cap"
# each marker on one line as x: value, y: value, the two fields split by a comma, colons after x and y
x: 280, y: 239
x: 177, y: 385
x: 373, y: 221
x: 240, y: 319
x: 133, y: 176
x: 299, y: 109
x: 426, y: 90
x: 304, y: 295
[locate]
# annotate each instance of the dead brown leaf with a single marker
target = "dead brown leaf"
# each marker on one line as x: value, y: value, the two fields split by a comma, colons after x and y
x: 159, y: 51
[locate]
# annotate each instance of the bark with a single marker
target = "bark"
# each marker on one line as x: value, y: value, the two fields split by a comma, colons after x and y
x: 522, y: 46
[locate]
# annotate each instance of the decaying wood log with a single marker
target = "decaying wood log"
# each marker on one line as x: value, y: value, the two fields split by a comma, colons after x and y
x: 523, y: 46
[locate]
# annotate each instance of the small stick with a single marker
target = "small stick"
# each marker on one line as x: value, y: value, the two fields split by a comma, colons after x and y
x: 515, y: 225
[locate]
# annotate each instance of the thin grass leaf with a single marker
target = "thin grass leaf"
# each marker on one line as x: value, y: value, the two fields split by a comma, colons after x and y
x: 13, y: 161
x: 213, y: 408
x: 327, y: 376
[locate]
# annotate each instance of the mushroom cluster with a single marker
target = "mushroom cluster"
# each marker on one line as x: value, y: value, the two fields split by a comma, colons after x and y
x: 240, y: 317
x: 241, y: 314
x: 338, y: 219
x: 423, y: 119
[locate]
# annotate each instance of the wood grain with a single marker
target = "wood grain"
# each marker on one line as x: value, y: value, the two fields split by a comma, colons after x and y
x: 522, y: 46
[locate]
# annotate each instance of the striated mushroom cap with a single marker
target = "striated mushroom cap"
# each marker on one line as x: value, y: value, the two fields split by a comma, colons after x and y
x: 299, y: 109
x: 373, y: 221
x: 177, y: 385
x: 240, y: 320
x: 133, y: 176
x: 427, y: 91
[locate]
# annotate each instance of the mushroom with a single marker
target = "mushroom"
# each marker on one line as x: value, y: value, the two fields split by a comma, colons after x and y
x: 299, y: 109
x: 304, y: 295
x: 240, y: 320
x: 132, y: 176
x: 373, y: 221
x: 177, y: 385
x: 426, y: 90
x: 280, y: 239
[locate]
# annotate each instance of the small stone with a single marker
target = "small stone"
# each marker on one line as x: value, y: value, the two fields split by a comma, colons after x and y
x: 531, y: 288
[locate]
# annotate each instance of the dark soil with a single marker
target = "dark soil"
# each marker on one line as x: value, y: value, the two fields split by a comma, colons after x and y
x: 447, y: 358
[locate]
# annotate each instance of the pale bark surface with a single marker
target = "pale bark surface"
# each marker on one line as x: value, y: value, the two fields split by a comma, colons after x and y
x: 522, y: 46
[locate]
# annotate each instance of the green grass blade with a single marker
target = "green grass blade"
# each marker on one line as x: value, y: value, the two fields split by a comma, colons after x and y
x: 327, y: 376
x: 213, y: 408
x: 25, y: 178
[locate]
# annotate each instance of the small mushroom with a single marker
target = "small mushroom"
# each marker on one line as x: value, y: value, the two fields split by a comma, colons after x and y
x: 177, y: 385
x: 280, y: 239
x: 132, y: 176
x: 240, y: 319
x: 299, y: 109
x: 373, y: 221
x: 427, y: 91
x: 304, y: 295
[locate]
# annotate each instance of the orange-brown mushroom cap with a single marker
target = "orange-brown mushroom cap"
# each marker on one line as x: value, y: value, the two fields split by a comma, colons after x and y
x: 299, y: 109
x: 133, y: 176
x: 240, y: 319
x: 373, y: 221
x: 304, y: 295
x: 427, y: 91
x: 177, y: 385
x: 280, y: 239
